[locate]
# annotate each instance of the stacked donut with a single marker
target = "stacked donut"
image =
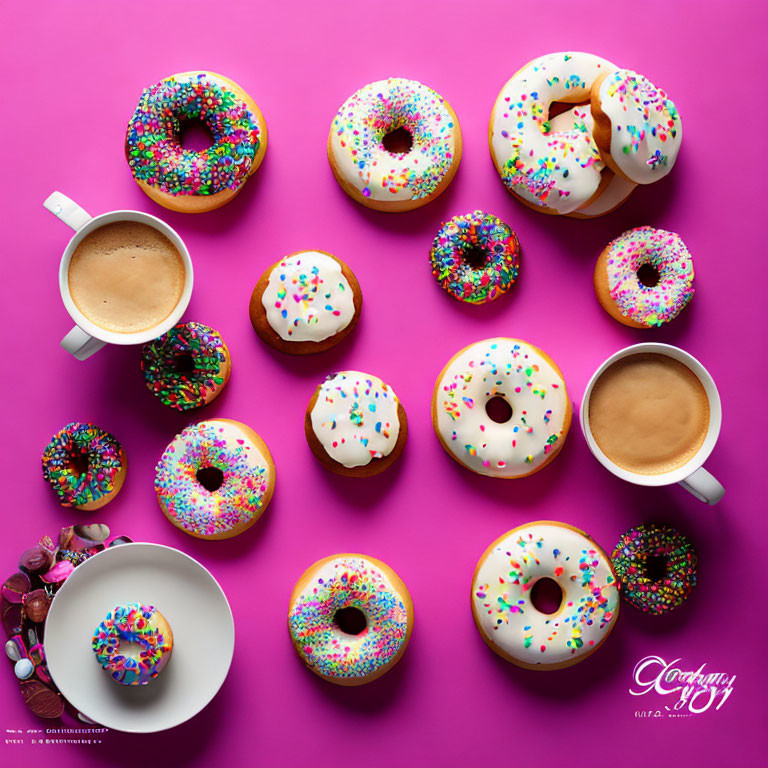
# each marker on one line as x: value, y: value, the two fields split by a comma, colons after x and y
x: 573, y: 134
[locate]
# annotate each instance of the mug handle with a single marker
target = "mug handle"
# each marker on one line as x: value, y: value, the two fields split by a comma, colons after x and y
x: 78, y: 343
x: 67, y: 210
x: 704, y: 486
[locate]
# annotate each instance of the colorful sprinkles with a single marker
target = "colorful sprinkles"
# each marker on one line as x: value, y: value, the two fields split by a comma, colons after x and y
x: 469, y: 234
x: 677, y: 576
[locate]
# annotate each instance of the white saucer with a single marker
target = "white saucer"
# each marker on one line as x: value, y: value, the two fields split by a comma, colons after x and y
x: 185, y: 593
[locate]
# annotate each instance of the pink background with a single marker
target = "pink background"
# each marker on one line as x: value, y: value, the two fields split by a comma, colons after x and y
x: 73, y: 73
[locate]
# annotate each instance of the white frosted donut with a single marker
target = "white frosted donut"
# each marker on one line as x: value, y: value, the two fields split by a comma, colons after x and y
x: 386, y: 180
x: 523, y: 377
x: 549, y: 168
x: 502, y: 587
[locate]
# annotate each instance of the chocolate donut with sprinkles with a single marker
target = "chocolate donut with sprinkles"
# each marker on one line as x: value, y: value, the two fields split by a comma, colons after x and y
x: 350, y: 618
x: 656, y: 567
x: 187, y: 367
x: 644, y: 278
x: 394, y: 145
x: 84, y: 465
x: 215, y: 479
x: 475, y: 257
x: 186, y: 180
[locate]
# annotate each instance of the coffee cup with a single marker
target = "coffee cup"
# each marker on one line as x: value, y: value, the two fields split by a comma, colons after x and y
x: 685, y: 388
x: 89, y: 335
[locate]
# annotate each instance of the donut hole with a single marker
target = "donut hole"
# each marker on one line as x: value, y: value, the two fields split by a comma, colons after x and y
x: 546, y: 595
x: 195, y: 135
x: 398, y: 142
x: 474, y: 256
x: 350, y: 620
x: 183, y: 363
x: 130, y: 650
x: 656, y: 567
x: 211, y: 478
x: 498, y: 410
x: 558, y: 107
x: 78, y: 463
x: 648, y: 275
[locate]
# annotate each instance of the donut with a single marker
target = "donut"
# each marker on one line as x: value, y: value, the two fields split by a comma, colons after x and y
x: 500, y: 408
x: 475, y: 257
x: 636, y: 126
x: 215, y: 479
x: 307, y: 302
x: 84, y: 465
x: 556, y: 169
x: 182, y: 179
x: 394, y: 145
x: 644, y: 278
x: 355, y: 424
x: 187, y: 367
x: 350, y: 618
x: 133, y: 643
x: 656, y: 568
x: 504, y: 600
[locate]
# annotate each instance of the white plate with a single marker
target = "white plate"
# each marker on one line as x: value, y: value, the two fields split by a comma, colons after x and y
x: 185, y: 593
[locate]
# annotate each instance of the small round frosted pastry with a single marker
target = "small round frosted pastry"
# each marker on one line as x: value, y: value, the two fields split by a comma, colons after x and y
x: 187, y: 367
x: 306, y: 302
x: 133, y: 643
x: 355, y: 424
x: 394, y: 145
x: 350, y: 618
x: 656, y: 566
x: 636, y: 126
x: 182, y: 179
x: 554, y: 167
x: 504, y: 592
x: 215, y: 479
x: 644, y: 278
x: 500, y: 408
x: 475, y: 257
x: 84, y: 465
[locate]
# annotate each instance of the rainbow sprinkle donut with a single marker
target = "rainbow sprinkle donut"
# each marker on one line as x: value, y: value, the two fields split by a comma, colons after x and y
x: 148, y: 643
x: 85, y: 466
x: 186, y: 367
x: 475, y: 257
x: 215, y: 479
x: 350, y: 618
x: 644, y: 277
x: 182, y: 179
x: 656, y: 566
x: 396, y: 176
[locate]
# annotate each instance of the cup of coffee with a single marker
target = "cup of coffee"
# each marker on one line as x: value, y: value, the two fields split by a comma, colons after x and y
x: 651, y: 414
x: 125, y: 277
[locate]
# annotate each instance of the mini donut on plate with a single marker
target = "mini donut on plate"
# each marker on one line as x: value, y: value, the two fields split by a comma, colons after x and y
x: 504, y: 598
x: 394, y: 145
x: 355, y: 424
x: 350, y: 618
x: 656, y: 567
x: 550, y: 165
x: 187, y: 367
x: 475, y: 257
x: 500, y: 408
x: 133, y: 643
x: 306, y: 302
x: 84, y: 465
x: 182, y: 179
x: 215, y: 479
x: 644, y: 278
x: 636, y: 126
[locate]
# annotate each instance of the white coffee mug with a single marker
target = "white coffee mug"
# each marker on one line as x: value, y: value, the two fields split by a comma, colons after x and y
x: 692, y: 475
x: 86, y: 337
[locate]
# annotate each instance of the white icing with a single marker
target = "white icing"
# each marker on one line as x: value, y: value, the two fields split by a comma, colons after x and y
x: 501, y: 594
x: 553, y: 167
x: 518, y: 373
x: 308, y: 298
x: 377, y: 109
x: 355, y: 418
x: 643, y: 121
